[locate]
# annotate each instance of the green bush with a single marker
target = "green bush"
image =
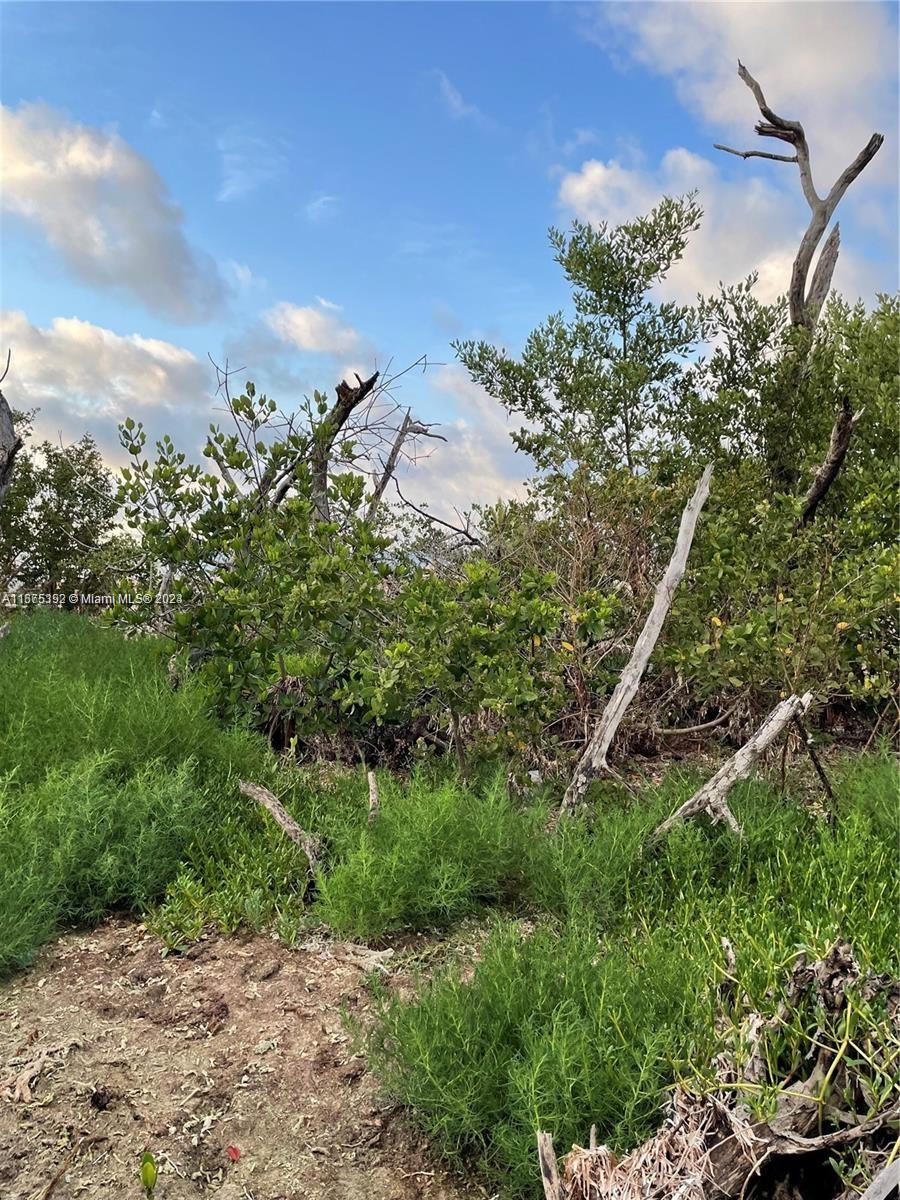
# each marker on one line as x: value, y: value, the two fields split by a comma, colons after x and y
x: 590, y: 1019
x: 108, y: 778
x: 435, y: 853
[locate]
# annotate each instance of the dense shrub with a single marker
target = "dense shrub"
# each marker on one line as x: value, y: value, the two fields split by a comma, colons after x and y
x: 588, y: 1021
x: 434, y: 854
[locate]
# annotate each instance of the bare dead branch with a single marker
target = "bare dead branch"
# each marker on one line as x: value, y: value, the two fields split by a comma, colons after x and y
x: 593, y: 761
x: 838, y: 445
x: 464, y: 531
x: 712, y: 798
x: 788, y: 158
x: 805, y: 306
x: 307, y: 843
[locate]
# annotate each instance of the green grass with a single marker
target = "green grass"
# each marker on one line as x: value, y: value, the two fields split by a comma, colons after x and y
x: 593, y: 1015
x: 436, y: 853
x: 118, y: 793
x: 108, y: 778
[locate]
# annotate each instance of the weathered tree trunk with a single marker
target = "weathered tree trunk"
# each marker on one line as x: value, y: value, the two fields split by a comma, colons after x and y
x: 307, y: 843
x: 593, y: 761
x: 713, y: 796
x: 374, y: 804
x: 806, y: 304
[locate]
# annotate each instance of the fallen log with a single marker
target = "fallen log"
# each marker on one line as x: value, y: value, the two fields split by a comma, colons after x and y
x: 710, y: 1145
x: 713, y: 796
x: 307, y: 843
x: 593, y: 761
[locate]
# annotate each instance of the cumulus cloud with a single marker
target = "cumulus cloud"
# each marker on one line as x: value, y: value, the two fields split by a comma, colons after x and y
x: 105, y: 209
x: 313, y: 329
x: 83, y: 377
x: 478, y: 463
x: 747, y: 225
x: 831, y: 65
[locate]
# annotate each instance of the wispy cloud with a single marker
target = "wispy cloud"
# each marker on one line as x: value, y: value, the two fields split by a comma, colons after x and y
x: 456, y: 106
x: 106, y: 211
x: 248, y: 161
x: 321, y: 207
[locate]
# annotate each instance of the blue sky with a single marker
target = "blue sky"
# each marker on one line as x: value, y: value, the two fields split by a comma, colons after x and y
x: 309, y: 187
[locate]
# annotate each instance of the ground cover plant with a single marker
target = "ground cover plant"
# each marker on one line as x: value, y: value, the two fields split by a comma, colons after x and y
x: 592, y: 1016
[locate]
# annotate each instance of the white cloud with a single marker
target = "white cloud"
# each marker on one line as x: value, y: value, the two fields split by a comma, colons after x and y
x: 312, y: 329
x: 242, y: 275
x: 747, y: 225
x: 106, y: 210
x: 248, y: 161
x: 478, y: 463
x: 456, y: 106
x: 84, y: 377
x: 830, y: 65
x: 320, y: 208
x: 320, y: 300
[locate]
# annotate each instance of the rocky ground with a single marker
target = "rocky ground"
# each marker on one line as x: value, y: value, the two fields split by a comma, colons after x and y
x: 230, y: 1063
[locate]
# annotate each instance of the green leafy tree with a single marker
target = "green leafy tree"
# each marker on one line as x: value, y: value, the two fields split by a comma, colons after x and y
x: 589, y: 386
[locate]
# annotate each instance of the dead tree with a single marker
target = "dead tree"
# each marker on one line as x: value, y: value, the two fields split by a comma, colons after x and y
x: 593, y: 761
x: 712, y: 798
x: 409, y: 428
x: 10, y: 442
x: 806, y: 301
x: 841, y: 433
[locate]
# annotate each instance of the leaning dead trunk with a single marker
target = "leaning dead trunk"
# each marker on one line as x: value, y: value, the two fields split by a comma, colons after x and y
x: 712, y: 798
x: 841, y: 433
x: 593, y: 761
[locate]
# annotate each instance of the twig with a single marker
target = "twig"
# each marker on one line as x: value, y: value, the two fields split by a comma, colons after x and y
x: 308, y: 844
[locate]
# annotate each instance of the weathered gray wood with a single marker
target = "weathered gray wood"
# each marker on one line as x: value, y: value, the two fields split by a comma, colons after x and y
x: 554, y: 1188
x: 593, y: 761
x: 713, y: 796
x: 805, y: 306
x: 307, y: 843
x: 373, y: 797
x: 884, y: 1183
x: 10, y: 442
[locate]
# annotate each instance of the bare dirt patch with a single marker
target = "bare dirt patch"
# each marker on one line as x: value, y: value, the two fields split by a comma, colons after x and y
x: 230, y: 1063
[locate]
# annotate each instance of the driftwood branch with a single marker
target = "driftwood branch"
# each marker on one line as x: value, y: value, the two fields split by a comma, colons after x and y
x: 593, y: 761
x: 805, y: 305
x: 838, y: 445
x: 712, y: 798
x: 307, y: 843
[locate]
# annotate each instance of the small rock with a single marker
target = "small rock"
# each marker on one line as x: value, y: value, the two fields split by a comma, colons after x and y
x: 265, y: 970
